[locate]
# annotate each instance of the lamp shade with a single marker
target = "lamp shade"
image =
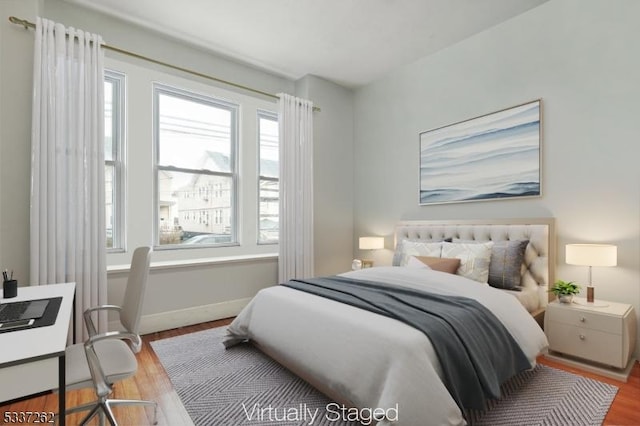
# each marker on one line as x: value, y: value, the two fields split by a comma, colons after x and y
x: 591, y: 254
x: 371, y: 243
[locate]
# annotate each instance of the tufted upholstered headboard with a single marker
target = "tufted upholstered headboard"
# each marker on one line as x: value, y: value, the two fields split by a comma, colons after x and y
x: 539, y: 262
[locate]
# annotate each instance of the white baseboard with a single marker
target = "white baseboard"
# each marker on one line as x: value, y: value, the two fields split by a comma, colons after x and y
x: 188, y: 316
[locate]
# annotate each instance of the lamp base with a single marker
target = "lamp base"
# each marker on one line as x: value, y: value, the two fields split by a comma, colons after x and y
x: 590, y: 294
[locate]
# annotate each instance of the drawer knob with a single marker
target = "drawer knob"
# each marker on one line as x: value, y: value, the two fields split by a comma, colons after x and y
x: 582, y: 337
x: 583, y: 319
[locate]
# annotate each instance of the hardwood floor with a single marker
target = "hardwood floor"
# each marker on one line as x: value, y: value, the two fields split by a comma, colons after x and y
x: 151, y: 382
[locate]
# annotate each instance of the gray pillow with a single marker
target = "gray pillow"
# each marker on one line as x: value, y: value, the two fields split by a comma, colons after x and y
x: 506, y: 263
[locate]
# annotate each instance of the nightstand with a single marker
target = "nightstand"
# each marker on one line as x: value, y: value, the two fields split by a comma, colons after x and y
x: 598, y: 339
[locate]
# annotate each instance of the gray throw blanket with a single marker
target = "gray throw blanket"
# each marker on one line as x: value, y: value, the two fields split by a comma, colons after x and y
x: 476, y: 352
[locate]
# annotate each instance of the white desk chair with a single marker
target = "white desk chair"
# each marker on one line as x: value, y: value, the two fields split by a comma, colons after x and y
x: 105, y: 358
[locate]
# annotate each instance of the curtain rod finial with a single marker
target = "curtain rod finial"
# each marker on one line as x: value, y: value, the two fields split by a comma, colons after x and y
x: 18, y: 21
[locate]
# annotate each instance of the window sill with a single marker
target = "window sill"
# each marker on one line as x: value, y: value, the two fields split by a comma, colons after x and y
x: 188, y: 263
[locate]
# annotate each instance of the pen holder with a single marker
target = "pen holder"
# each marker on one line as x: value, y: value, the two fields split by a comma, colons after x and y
x: 10, y: 289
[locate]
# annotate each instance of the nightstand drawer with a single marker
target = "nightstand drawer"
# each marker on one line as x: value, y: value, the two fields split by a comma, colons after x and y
x: 593, y: 321
x: 594, y: 345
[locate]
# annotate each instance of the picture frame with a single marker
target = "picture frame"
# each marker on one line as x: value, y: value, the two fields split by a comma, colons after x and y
x: 490, y: 157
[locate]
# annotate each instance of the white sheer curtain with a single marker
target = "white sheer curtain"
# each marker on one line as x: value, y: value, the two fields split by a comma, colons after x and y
x: 296, y: 188
x: 67, y: 165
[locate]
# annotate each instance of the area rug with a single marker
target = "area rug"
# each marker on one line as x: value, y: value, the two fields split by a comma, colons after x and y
x: 242, y: 386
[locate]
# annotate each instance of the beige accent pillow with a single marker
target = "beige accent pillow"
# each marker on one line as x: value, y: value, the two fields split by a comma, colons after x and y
x: 441, y: 264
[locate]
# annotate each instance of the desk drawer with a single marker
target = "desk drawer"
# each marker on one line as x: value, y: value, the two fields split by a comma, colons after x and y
x: 593, y: 345
x: 593, y: 321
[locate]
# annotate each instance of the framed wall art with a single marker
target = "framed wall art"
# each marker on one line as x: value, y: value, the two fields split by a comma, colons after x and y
x: 494, y: 156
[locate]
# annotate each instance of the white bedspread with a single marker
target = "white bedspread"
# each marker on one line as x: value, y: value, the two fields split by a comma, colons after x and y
x: 369, y: 360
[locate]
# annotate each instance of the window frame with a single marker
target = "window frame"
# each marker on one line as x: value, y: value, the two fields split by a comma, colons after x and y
x: 118, y: 122
x: 190, y: 95
x: 267, y: 115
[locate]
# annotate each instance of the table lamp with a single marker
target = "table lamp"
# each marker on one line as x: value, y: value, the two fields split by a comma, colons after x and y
x: 591, y: 255
x: 370, y: 243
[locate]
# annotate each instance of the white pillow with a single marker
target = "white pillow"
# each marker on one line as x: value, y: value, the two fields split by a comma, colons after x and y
x: 474, y: 259
x: 417, y: 248
x: 416, y: 263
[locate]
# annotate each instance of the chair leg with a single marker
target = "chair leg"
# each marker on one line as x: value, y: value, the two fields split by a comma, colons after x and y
x: 115, y: 402
x: 83, y: 407
x: 107, y: 410
x: 91, y: 414
x: 103, y: 409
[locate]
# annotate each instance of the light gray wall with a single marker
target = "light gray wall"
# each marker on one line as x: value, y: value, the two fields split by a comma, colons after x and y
x: 16, y: 63
x: 333, y: 173
x: 577, y: 56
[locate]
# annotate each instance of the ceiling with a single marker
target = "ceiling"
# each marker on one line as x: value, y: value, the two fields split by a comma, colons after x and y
x: 350, y: 42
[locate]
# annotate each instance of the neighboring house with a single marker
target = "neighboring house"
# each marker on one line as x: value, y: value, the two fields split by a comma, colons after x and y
x: 204, y: 205
x: 167, y: 214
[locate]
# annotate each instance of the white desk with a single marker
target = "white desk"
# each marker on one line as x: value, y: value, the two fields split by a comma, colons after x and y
x: 32, y: 360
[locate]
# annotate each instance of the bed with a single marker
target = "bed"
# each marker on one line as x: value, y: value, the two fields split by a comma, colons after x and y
x: 365, y: 360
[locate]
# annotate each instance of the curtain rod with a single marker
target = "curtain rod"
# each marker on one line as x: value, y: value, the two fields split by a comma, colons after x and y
x: 26, y: 24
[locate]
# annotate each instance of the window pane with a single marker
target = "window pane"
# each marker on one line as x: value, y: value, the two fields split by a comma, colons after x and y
x: 269, y: 211
x: 113, y: 144
x: 109, y: 172
x: 193, y: 135
x: 194, y: 208
x: 268, y: 147
x: 269, y: 203
x: 108, y: 120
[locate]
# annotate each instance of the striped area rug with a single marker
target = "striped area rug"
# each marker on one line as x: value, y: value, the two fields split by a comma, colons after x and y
x: 548, y: 396
x: 230, y: 387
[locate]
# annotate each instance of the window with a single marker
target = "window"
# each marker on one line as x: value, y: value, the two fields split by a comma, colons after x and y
x: 190, y: 169
x: 196, y: 173
x: 113, y: 148
x: 269, y: 187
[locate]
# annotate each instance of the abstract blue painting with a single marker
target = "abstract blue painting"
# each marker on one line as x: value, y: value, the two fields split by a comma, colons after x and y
x: 494, y: 156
